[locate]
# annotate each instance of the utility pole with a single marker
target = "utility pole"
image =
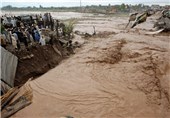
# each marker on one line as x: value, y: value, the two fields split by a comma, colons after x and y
x: 80, y: 6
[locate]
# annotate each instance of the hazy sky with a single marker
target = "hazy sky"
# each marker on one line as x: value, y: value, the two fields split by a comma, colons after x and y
x: 68, y: 3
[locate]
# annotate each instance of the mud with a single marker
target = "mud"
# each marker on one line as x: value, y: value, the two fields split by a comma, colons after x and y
x: 37, y: 60
x: 126, y: 74
x: 110, y: 55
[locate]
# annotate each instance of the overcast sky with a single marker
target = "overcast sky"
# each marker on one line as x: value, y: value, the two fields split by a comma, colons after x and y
x: 68, y: 3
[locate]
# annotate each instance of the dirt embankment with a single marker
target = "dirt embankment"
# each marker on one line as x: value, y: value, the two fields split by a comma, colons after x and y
x: 37, y: 60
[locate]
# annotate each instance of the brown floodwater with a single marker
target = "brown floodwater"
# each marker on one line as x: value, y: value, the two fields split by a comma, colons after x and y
x: 125, y: 74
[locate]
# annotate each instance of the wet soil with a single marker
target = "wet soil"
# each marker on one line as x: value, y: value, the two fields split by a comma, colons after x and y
x: 37, y: 60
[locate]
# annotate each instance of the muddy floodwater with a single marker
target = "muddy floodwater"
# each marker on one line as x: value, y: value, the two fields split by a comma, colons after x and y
x: 56, y: 15
x: 116, y: 74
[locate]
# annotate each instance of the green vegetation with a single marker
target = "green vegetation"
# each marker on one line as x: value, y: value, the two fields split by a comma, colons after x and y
x: 2, y: 28
x: 40, y: 8
x: 69, y: 26
x: 105, y: 9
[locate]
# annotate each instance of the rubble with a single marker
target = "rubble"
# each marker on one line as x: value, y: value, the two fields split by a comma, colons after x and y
x: 161, y: 24
x: 164, y: 21
x: 140, y: 19
x: 16, y: 99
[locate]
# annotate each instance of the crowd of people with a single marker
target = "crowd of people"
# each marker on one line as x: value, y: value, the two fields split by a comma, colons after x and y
x: 17, y: 30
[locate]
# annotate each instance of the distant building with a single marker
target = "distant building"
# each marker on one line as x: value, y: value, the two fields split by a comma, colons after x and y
x: 155, y: 7
x: 167, y: 6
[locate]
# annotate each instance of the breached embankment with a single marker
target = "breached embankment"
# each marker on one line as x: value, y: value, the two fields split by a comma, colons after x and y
x: 38, y: 59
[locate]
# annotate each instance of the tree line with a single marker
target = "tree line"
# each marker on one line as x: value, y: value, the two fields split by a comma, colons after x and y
x: 92, y: 8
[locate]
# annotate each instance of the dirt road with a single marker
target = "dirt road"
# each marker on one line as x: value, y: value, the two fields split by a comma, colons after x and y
x: 123, y: 74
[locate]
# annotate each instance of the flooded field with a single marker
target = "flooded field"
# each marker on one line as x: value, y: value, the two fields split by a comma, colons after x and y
x: 56, y: 15
x: 116, y: 74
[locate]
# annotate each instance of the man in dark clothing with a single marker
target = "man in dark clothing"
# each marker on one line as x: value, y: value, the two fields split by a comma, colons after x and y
x: 22, y: 38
